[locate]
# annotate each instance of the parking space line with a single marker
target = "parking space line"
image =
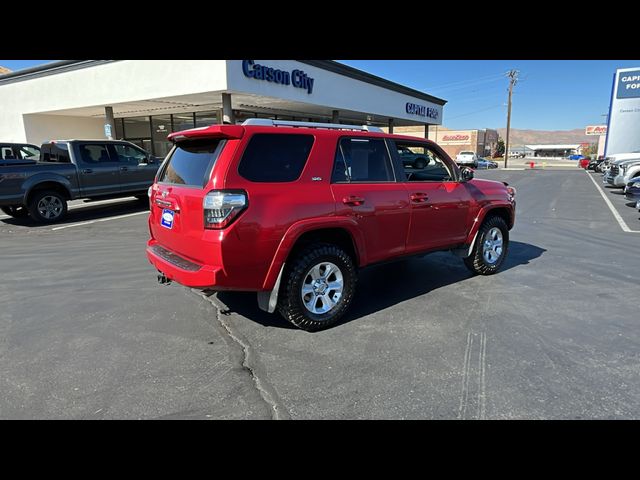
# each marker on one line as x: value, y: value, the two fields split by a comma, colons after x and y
x: 616, y: 215
x: 80, y: 224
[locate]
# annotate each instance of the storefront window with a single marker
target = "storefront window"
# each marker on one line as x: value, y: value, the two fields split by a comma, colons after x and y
x: 182, y: 121
x: 137, y: 127
x: 206, y: 119
x: 161, y: 128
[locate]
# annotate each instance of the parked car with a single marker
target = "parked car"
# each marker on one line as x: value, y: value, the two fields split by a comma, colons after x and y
x: 485, y: 163
x: 467, y: 158
x: 412, y: 159
x: 583, y: 163
x: 596, y: 163
x: 618, y: 157
x: 18, y: 151
x: 576, y: 157
x: 632, y: 190
x: 622, y: 171
x: 72, y: 169
x: 313, y: 205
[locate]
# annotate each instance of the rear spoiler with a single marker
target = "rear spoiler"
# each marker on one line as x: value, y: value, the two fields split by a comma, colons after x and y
x: 214, y: 131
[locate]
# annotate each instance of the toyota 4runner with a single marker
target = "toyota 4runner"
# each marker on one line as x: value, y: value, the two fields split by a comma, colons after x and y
x: 293, y: 210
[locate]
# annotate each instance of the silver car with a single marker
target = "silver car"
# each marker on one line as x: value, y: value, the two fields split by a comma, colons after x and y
x: 621, y: 172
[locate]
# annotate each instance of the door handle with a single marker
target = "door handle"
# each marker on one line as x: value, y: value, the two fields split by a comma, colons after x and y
x: 87, y: 170
x: 353, y: 200
x: 419, y: 197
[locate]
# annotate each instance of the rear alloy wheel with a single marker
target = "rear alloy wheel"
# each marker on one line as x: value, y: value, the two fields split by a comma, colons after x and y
x: 490, y: 248
x: 16, y: 212
x: 47, y: 206
x: 318, y: 287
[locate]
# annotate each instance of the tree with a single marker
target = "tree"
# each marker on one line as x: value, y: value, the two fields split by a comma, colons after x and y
x: 591, y: 149
x: 500, y: 147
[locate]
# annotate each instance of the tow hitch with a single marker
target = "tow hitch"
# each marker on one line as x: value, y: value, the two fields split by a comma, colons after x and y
x: 163, y: 280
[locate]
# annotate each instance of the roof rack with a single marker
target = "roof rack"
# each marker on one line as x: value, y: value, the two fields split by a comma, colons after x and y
x: 266, y: 122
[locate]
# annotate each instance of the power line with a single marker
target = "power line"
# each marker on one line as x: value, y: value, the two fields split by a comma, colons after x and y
x: 460, y: 82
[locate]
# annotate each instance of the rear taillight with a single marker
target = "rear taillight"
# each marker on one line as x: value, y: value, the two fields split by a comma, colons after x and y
x: 221, y: 207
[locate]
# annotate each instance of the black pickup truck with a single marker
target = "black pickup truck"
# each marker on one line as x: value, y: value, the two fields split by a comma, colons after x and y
x: 72, y: 169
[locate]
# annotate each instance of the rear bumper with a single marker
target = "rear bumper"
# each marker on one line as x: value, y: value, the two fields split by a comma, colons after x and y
x: 183, y: 271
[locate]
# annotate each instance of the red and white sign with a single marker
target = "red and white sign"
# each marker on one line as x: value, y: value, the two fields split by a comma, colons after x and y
x: 596, y: 130
x: 455, y: 139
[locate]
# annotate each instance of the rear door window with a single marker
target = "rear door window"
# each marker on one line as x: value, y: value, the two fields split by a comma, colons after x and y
x: 275, y: 157
x: 95, y: 154
x: 191, y: 162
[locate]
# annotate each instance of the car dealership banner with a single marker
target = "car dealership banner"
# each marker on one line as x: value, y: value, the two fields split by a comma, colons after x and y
x: 623, y: 130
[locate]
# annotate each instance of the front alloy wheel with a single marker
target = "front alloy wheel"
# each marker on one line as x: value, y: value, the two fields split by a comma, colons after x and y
x: 490, y: 247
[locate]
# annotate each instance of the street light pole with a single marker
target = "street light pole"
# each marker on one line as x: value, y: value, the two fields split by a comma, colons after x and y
x: 513, y: 76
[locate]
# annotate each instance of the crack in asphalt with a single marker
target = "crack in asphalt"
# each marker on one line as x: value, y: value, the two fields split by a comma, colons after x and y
x: 249, y: 362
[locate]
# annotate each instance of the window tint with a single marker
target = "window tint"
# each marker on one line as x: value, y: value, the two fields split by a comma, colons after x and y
x: 129, y: 155
x: 275, y: 158
x: 58, y: 153
x: 190, y: 163
x: 362, y: 160
x: 423, y: 164
x: 94, y: 154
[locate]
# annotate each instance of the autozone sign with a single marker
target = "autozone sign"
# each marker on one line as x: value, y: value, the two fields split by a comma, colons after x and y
x: 596, y: 130
x: 459, y: 139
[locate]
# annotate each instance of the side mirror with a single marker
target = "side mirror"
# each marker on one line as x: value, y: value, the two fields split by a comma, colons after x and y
x: 466, y: 174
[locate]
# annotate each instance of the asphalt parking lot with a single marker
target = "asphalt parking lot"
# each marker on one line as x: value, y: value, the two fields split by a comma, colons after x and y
x: 86, y: 331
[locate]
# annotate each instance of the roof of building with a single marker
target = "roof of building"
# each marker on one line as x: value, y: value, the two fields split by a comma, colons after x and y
x: 329, y: 65
x: 552, y: 147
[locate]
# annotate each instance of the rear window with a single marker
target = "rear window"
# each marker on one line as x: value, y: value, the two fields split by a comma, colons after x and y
x: 275, y: 157
x: 191, y: 162
x: 55, y: 153
x: 466, y: 153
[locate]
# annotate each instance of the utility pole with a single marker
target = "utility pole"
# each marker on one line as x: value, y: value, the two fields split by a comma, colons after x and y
x: 513, y: 79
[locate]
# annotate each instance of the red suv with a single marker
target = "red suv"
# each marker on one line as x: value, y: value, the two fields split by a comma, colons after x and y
x: 293, y: 210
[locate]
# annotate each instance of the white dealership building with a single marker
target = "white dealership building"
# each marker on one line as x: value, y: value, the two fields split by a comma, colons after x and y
x: 144, y: 100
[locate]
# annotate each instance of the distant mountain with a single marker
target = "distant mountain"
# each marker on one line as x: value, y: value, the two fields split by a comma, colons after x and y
x: 537, y: 137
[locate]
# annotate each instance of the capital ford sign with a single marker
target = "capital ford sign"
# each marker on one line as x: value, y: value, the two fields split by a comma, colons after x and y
x: 421, y: 110
x: 296, y: 77
x: 629, y: 84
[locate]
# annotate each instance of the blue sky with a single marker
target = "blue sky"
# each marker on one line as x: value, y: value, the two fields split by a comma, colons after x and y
x: 551, y: 95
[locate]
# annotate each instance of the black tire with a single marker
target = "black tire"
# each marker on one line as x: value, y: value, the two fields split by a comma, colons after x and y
x: 290, y: 299
x: 420, y: 163
x: 16, y: 212
x: 57, y: 211
x: 476, y: 262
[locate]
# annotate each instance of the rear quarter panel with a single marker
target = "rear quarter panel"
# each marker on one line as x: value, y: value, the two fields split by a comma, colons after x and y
x: 273, y: 209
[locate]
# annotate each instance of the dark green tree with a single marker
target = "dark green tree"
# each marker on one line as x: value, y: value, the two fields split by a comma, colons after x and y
x: 500, y: 147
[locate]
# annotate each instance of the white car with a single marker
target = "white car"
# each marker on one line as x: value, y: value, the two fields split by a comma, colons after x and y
x: 467, y: 158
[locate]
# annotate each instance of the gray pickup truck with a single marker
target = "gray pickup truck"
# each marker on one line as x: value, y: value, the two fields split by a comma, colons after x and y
x: 73, y: 169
